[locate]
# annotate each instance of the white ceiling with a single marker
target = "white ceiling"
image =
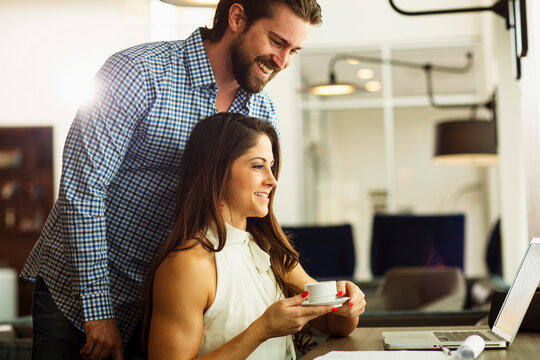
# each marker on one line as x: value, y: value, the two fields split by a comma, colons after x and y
x: 405, y: 81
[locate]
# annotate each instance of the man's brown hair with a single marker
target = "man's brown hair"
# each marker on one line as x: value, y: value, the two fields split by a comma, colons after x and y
x: 308, y: 10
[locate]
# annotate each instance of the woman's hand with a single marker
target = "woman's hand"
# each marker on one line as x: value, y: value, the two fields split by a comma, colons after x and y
x: 347, y: 319
x: 343, y: 321
x: 356, y: 304
x: 288, y: 316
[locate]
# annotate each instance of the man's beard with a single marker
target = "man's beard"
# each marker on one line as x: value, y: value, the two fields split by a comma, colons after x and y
x: 245, y: 70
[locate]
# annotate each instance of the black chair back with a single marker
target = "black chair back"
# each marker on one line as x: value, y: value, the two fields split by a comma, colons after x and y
x: 493, y: 251
x: 411, y: 240
x: 326, y: 252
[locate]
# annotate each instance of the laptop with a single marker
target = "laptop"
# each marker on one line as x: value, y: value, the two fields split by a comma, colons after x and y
x: 505, y: 327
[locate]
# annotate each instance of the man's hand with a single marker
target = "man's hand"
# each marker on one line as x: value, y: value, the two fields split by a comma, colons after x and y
x: 102, y: 340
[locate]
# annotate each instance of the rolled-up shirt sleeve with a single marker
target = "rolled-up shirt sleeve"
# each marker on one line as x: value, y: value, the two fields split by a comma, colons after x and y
x: 94, y: 150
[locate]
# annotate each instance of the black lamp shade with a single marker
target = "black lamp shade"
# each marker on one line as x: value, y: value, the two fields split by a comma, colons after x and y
x: 466, y: 142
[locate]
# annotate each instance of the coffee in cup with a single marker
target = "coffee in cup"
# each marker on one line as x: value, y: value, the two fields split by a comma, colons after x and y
x: 321, y: 291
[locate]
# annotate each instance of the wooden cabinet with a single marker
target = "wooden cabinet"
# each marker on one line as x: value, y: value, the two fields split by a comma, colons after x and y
x: 26, y: 196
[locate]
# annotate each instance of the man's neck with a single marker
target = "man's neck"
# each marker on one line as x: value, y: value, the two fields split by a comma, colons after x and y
x: 220, y: 61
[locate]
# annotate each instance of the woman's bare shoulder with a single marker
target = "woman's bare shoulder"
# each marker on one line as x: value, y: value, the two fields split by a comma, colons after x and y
x: 193, y: 258
x: 186, y: 276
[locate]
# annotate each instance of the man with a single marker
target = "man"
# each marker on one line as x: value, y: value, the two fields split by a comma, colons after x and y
x: 120, y: 167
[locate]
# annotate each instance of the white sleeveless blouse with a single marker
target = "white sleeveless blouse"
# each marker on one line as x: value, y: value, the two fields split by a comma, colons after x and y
x: 246, y: 287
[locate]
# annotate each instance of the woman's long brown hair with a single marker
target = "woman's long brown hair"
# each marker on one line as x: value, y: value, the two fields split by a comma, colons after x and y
x: 213, y: 145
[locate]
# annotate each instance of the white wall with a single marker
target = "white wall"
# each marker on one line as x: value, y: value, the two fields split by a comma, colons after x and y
x: 530, y: 107
x: 289, y: 195
x: 512, y: 171
x: 358, y: 23
x: 51, y: 52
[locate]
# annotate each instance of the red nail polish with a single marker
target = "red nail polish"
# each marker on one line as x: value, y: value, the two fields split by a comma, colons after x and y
x: 335, y: 309
x: 305, y: 294
x: 340, y: 293
x: 351, y: 304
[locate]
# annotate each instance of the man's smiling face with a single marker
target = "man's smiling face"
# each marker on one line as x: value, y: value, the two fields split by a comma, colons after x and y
x: 266, y: 48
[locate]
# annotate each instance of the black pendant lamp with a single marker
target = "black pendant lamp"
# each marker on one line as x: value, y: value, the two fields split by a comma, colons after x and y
x: 466, y: 142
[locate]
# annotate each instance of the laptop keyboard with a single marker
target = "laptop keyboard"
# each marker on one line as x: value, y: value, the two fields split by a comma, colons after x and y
x: 457, y: 335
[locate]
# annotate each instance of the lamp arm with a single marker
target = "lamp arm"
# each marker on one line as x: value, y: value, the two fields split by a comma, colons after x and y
x: 402, y: 63
x: 429, y: 87
x: 500, y: 8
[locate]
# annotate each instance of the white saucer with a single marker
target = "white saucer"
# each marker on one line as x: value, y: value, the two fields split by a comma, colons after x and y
x: 337, y: 301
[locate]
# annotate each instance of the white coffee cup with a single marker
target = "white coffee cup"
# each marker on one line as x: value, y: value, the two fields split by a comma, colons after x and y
x: 321, y: 291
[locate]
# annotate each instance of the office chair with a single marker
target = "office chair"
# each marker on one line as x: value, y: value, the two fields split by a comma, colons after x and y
x: 483, y: 290
x: 493, y: 251
x: 408, y: 240
x: 326, y: 252
x: 420, y: 289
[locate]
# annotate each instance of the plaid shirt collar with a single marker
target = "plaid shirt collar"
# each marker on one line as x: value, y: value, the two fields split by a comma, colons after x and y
x: 199, y: 68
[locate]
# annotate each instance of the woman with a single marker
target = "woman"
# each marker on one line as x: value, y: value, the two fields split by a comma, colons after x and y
x: 227, y: 284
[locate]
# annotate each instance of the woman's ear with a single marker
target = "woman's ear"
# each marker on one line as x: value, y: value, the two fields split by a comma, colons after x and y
x: 237, y: 18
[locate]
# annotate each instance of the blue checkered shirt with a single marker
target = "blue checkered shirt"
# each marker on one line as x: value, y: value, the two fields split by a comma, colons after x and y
x: 119, y: 174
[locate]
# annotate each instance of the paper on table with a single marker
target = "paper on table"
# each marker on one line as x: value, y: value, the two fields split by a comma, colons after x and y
x: 386, y: 355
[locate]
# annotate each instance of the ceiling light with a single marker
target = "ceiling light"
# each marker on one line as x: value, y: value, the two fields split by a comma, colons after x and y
x: 198, y: 3
x: 352, y: 61
x: 373, y: 86
x: 333, y: 89
x: 365, y: 74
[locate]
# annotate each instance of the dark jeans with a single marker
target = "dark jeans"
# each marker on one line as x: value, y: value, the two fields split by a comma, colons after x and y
x: 55, y: 337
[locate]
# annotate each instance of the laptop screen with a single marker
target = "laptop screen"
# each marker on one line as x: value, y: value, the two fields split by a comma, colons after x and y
x: 520, y: 294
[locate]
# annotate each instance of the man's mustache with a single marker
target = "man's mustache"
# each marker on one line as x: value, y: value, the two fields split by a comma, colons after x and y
x: 269, y: 63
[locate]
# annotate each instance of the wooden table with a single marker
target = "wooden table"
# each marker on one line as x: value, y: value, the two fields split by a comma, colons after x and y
x: 526, y: 346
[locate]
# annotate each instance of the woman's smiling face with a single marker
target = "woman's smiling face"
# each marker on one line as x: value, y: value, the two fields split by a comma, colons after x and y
x: 250, y: 184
